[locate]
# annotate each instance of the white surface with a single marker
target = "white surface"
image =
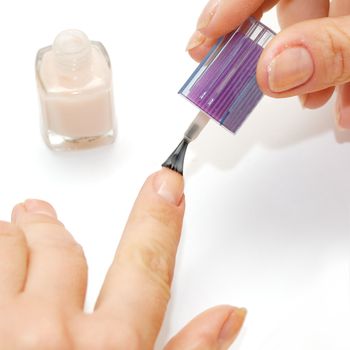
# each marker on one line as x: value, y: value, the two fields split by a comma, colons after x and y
x: 268, y: 211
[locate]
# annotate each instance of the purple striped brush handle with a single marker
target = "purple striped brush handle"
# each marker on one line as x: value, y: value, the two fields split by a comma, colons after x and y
x: 224, y: 84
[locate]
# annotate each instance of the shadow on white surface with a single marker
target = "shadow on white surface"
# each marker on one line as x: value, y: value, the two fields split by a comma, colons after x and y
x: 266, y: 222
x: 272, y: 125
x: 97, y: 163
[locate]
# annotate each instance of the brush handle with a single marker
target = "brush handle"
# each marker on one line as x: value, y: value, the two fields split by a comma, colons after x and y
x: 224, y: 84
x: 196, y: 127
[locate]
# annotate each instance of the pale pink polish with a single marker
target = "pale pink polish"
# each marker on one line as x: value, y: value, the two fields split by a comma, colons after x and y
x: 75, y: 89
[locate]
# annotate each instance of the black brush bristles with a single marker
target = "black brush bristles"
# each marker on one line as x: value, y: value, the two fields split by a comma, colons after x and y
x: 176, y: 160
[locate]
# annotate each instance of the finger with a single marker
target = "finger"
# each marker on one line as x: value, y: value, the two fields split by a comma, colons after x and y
x: 342, y: 106
x: 316, y: 99
x: 137, y: 286
x: 290, y: 12
x: 306, y: 57
x: 221, y: 17
x: 226, y: 18
x: 13, y: 260
x: 207, y: 34
x: 339, y: 8
x: 199, y: 46
x: 265, y: 6
x: 57, y: 268
x: 216, y: 328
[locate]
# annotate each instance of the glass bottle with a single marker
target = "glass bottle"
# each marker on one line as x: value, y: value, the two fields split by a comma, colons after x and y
x: 75, y: 90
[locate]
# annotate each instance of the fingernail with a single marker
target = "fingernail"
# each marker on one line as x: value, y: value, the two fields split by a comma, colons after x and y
x: 196, y: 39
x: 207, y: 14
x: 231, y: 327
x: 342, y: 107
x: 342, y: 118
x: 303, y: 99
x: 35, y: 206
x: 338, y: 117
x: 169, y: 185
x: 291, y: 68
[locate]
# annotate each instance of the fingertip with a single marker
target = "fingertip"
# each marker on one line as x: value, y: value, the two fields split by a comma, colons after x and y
x: 316, y: 99
x: 232, y: 326
x: 228, y: 15
x: 208, y: 16
x: 37, y: 206
x: 33, y: 210
x: 303, y: 59
x: 199, y: 48
x: 342, y: 107
x: 285, y: 65
x: 162, y: 199
x: 17, y: 211
x: 196, y: 39
x: 303, y: 100
x: 343, y: 120
x: 169, y: 185
x: 198, y: 53
x: 216, y: 328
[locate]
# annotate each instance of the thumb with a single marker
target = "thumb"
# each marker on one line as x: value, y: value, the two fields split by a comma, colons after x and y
x: 215, y: 328
x: 306, y: 57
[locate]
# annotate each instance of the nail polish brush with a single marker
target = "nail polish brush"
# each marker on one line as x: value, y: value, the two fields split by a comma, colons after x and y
x: 176, y: 159
x: 224, y: 85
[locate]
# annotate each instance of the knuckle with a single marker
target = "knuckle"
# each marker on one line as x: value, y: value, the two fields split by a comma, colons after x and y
x: 109, y: 339
x: 126, y: 340
x: 156, y: 262
x: 151, y: 258
x: 163, y: 216
x: 338, y: 57
x: 40, y: 339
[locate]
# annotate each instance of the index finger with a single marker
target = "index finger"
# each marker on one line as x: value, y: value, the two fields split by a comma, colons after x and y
x: 220, y: 17
x: 137, y: 286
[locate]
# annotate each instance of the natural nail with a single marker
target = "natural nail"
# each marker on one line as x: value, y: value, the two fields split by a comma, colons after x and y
x: 342, y: 107
x: 207, y: 14
x: 338, y: 118
x: 196, y: 39
x: 342, y: 118
x: 291, y: 68
x: 303, y: 99
x: 231, y: 327
x: 39, y: 207
x: 169, y: 185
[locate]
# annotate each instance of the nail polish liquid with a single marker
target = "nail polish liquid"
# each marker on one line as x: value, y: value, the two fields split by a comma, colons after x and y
x: 75, y: 90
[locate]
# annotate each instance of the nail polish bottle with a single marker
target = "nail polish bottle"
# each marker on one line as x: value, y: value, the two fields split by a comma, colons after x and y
x: 75, y: 90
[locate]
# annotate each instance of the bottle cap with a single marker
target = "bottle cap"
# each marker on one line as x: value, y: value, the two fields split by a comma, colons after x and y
x: 224, y: 84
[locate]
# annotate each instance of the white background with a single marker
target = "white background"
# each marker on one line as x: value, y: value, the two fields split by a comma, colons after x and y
x: 268, y: 211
